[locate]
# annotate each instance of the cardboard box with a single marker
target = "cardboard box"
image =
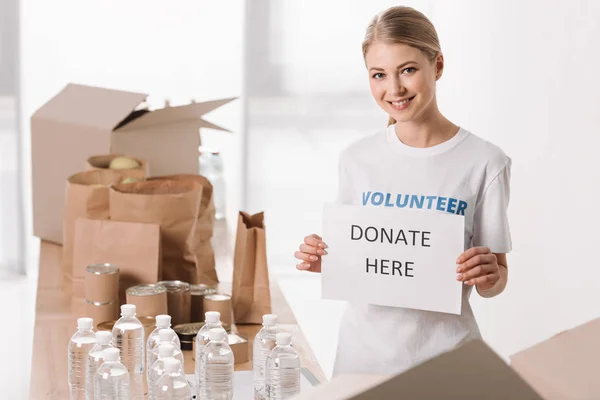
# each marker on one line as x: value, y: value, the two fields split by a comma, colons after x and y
x: 470, y: 372
x: 566, y: 366
x: 83, y: 121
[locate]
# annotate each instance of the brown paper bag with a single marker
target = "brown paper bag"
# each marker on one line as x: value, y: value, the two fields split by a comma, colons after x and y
x: 175, y: 206
x: 251, y: 295
x: 131, y: 246
x: 86, y: 197
x: 203, y: 227
x: 103, y: 161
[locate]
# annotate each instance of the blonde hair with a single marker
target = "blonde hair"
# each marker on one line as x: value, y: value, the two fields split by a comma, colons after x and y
x: 403, y: 25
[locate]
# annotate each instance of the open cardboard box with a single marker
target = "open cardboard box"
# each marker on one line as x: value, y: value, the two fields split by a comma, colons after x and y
x: 470, y: 372
x: 83, y: 121
x: 566, y: 366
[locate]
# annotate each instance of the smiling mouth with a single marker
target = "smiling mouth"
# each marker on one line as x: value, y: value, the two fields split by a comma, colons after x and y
x: 401, y: 103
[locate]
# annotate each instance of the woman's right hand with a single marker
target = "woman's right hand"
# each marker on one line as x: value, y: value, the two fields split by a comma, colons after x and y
x: 310, y: 253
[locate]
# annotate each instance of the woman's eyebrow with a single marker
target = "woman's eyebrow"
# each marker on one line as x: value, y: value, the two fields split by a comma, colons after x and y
x: 398, y: 67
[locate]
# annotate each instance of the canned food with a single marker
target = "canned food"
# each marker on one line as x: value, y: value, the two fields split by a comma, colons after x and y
x: 198, y: 292
x: 150, y: 299
x: 102, y: 283
x: 178, y: 301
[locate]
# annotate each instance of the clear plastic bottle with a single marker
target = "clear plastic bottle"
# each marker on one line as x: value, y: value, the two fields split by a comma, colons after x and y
x: 172, y: 385
x: 103, y: 342
x: 79, y: 346
x: 128, y: 337
x: 112, y: 379
x: 212, y: 321
x: 162, y: 322
x: 156, y: 370
x: 216, y: 368
x: 283, y: 370
x: 165, y: 336
x: 264, y: 343
x: 211, y: 167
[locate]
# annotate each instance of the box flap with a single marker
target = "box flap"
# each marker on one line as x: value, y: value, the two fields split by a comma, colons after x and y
x: 90, y: 106
x: 565, y: 366
x: 470, y: 372
x: 187, y: 116
x: 341, y: 387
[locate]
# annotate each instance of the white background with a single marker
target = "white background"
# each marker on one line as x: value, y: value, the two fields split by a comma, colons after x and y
x: 522, y: 74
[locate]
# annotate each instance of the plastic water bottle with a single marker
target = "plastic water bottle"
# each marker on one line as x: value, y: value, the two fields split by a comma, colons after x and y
x: 112, y: 379
x: 156, y: 370
x: 79, y: 346
x: 103, y: 342
x: 128, y: 337
x: 165, y: 336
x: 172, y: 385
x: 162, y: 322
x: 212, y: 321
x: 264, y: 343
x: 216, y: 368
x: 283, y: 370
x: 211, y: 167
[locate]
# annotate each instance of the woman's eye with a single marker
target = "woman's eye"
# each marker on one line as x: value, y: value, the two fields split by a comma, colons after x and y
x: 378, y: 75
x: 409, y: 69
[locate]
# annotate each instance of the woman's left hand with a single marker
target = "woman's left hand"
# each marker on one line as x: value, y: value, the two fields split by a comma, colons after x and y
x: 478, y: 266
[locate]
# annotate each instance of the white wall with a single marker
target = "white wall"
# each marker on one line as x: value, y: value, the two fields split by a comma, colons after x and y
x: 177, y: 50
x: 524, y: 74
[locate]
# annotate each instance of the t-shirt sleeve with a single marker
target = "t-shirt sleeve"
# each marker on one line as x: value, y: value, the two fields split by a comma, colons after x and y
x: 345, y: 193
x: 491, y: 227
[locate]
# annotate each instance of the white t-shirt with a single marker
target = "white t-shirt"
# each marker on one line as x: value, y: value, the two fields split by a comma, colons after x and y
x: 464, y: 175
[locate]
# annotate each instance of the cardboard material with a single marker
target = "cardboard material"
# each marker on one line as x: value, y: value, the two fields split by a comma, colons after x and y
x: 565, y: 366
x: 175, y: 205
x: 133, y: 247
x: 82, y: 121
x: 470, y: 372
x: 201, y: 241
x: 251, y: 296
x: 86, y: 197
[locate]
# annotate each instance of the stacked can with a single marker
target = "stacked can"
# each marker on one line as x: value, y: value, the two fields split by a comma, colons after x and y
x: 179, y: 301
x: 102, y: 292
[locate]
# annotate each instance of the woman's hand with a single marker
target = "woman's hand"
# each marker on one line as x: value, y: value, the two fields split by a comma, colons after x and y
x: 478, y: 266
x: 310, y: 253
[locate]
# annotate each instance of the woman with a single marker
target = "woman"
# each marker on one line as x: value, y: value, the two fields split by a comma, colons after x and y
x: 420, y: 152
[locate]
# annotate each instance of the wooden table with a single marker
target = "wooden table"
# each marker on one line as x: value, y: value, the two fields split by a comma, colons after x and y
x: 55, y: 322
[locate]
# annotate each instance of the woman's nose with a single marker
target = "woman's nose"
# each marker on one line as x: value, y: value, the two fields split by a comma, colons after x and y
x: 396, y: 88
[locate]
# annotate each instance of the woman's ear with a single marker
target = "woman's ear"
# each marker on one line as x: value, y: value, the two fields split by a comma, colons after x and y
x: 439, y: 65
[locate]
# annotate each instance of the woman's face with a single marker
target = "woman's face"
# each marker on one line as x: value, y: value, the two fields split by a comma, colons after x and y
x: 402, y: 79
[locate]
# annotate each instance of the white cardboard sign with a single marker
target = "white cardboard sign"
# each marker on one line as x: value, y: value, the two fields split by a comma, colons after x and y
x: 391, y: 257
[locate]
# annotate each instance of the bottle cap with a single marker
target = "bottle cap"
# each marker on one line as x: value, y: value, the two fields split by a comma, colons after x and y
x: 165, y: 335
x: 85, y: 323
x: 212, y: 317
x: 217, y: 334
x: 283, y: 339
x: 111, y: 354
x: 166, y: 350
x: 269, y: 320
x: 172, y: 365
x: 103, y: 337
x: 128, y: 310
x: 163, y: 321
